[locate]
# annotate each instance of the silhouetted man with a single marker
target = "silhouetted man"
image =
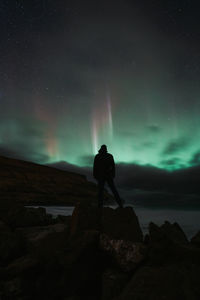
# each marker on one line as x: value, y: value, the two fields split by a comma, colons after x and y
x: 104, y: 171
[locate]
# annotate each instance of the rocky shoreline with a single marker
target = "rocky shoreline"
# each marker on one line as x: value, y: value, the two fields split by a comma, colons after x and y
x: 94, y: 254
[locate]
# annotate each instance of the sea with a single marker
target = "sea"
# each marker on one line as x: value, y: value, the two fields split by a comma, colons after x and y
x: 188, y: 219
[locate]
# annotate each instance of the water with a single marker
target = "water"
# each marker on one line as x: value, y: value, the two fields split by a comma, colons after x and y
x: 189, y: 220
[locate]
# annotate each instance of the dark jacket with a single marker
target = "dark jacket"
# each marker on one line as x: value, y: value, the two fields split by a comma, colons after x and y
x: 104, y: 166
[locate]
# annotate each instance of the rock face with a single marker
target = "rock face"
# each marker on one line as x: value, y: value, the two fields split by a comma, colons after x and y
x: 121, y: 224
x: 20, y: 216
x: 29, y: 184
x: 171, y: 282
x: 127, y: 255
x: 85, y: 217
x: 196, y: 239
x: 172, y: 232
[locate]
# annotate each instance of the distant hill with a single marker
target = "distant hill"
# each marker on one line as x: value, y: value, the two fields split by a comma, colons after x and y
x: 29, y: 183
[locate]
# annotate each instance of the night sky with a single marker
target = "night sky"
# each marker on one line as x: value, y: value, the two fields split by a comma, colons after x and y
x: 78, y: 74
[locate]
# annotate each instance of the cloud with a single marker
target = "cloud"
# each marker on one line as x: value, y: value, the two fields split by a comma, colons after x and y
x: 86, y: 160
x: 195, y: 160
x: 148, y: 144
x: 176, y: 146
x: 154, y: 128
x: 23, y: 139
x: 132, y: 177
x: 23, y: 154
x: 172, y: 162
x: 149, y: 178
x: 125, y: 134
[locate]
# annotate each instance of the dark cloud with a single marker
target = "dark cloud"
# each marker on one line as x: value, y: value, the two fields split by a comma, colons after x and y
x: 86, y: 160
x: 172, y: 162
x: 125, y: 134
x: 176, y: 146
x: 195, y: 160
x: 133, y: 176
x: 154, y: 128
x: 163, y: 200
x: 23, y: 139
x: 24, y: 153
x: 148, y: 144
x: 148, y: 179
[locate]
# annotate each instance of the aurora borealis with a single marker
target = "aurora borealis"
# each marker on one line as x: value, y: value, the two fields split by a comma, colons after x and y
x: 78, y: 74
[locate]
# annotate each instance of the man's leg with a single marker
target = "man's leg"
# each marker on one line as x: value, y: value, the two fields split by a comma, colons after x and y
x: 115, y: 192
x: 101, y: 184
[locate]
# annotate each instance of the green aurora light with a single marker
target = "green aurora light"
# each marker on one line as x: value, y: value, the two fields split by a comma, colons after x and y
x: 127, y: 78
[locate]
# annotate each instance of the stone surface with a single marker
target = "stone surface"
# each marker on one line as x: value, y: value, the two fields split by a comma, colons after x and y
x: 21, y: 216
x: 12, y: 246
x: 195, y: 240
x: 127, y: 255
x: 172, y: 282
x: 170, y: 231
x: 113, y: 282
x: 121, y: 224
x: 168, y: 246
x: 85, y: 217
x: 37, y: 233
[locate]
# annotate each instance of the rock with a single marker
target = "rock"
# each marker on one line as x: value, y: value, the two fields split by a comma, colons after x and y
x: 63, y: 219
x: 12, y: 246
x: 83, y: 265
x: 195, y: 240
x: 70, y: 268
x: 5, y: 205
x: 85, y: 217
x: 21, y: 266
x: 170, y: 283
x: 4, y: 228
x: 37, y: 233
x: 113, y: 281
x: 126, y: 254
x: 12, y: 289
x: 21, y: 216
x: 121, y: 224
x: 167, y: 244
x: 172, y: 232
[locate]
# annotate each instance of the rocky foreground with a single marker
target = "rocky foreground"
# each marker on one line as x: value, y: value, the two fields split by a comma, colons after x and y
x: 95, y: 254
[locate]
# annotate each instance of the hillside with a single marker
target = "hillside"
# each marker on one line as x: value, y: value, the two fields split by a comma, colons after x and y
x: 29, y: 183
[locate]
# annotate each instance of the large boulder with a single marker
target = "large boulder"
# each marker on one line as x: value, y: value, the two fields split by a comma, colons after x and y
x: 121, y: 224
x: 36, y: 234
x: 12, y: 245
x: 20, y: 216
x: 113, y: 282
x: 127, y: 255
x: 172, y: 232
x: 195, y: 240
x: 85, y: 217
x: 169, y: 282
x: 58, y: 268
x: 168, y: 244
